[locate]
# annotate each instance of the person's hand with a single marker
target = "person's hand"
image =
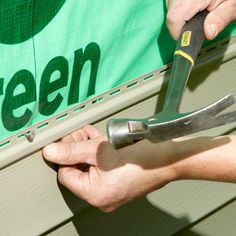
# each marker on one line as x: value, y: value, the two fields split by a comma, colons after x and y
x: 108, y: 178
x: 104, y: 177
x: 221, y: 13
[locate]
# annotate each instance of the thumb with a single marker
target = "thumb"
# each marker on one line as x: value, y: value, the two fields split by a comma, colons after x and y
x: 70, y: 153
x: 217, y: 20
x: 181, y: 11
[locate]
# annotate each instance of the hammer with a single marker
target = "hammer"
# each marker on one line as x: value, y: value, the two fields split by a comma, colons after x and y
x: 169, y: 123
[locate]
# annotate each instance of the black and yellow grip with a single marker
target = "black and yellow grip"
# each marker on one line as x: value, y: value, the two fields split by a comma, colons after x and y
x: 191, y: 37
x: 188, y: 46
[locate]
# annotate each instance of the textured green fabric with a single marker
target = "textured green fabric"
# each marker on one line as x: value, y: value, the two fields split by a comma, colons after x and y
x: 57, y: 53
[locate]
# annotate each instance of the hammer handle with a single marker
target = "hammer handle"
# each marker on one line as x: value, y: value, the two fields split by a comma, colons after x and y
x: 124, y: 132
x: 192, y: 37
x: 187, y: 49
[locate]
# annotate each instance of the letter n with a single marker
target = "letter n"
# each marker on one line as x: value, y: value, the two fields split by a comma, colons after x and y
x: 92, y: 53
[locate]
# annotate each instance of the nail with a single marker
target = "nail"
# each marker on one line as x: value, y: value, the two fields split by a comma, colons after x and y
x: 51, y: 150
x: 213, y: 30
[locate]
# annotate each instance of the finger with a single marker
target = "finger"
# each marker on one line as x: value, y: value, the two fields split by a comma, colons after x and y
x: 182, y: 11
x: 71, y: 153
x: 214, y: 4
x: 219, y: 18
x: 83, y: 134
x: 68, y: 139
x: 73, y: 179
x: 78, y: 135
x: 92, y: 131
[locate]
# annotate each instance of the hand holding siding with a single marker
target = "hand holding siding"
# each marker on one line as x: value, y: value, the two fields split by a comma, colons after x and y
x: 108, y: 178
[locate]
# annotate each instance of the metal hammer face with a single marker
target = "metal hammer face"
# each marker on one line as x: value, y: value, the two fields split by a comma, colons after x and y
x: 169, y: 123
x: 124, y: 132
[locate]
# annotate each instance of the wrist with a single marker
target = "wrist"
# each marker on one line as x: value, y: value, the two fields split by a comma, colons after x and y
x: 185, y: 154
x: 163, y: 157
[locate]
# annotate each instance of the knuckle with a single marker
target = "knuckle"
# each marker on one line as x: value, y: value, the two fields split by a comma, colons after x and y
x: 106, y: 202
x: 102, y: 202
x: 97, y: 202
x: 62, y: 175
x: 107, y: 209
x: 172, y: 15
x: 67, y: 150
x: 93, y: 150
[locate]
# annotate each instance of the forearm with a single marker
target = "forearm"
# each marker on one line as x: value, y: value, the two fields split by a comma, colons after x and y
x: 206, y: 159
x: 202, y: 158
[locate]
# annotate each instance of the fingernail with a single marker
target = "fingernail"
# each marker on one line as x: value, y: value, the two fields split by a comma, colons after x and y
x: 213, y: 30
x: 51, y: 150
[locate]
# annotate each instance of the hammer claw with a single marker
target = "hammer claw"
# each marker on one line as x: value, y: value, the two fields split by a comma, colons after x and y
x: 220, y: 105
x: 223, y: 119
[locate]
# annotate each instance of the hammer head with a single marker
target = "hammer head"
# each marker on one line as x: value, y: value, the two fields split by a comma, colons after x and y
x: 162, y: 127
x: 124, y: 132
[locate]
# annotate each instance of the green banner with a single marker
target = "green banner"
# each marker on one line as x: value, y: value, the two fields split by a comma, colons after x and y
x: 55, y: 54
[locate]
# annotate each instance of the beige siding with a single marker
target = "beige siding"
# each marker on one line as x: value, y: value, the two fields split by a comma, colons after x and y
x: 220, y: 222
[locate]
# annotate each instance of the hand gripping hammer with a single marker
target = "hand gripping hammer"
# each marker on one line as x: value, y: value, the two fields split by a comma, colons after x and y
x: 169, y: 123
